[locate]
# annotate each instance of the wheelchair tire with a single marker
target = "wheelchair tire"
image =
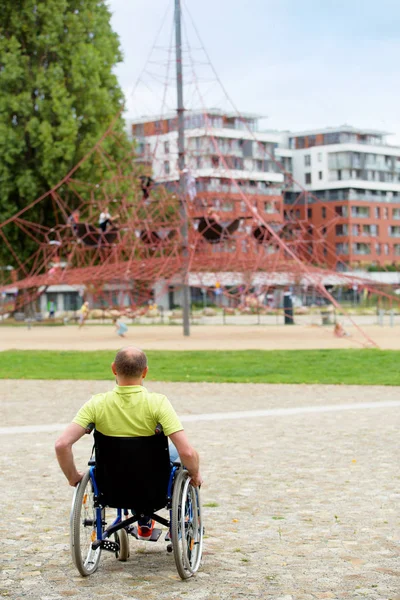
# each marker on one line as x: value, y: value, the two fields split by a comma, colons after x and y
x: 122, y: 538
x: 186, y: 525
x: 83, y: 528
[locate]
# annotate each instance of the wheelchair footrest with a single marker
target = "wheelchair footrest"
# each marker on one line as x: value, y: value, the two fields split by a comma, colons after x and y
x: 154, y: 536
x: 107, y: 545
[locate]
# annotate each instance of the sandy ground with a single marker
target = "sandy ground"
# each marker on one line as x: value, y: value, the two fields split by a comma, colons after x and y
x: 222, y: 337
x: 297, y: 507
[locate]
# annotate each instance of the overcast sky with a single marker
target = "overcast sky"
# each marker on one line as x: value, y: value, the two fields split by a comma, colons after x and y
x: 304, y: 63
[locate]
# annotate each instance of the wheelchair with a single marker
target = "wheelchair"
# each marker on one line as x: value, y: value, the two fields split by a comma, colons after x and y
x: 134, y: 476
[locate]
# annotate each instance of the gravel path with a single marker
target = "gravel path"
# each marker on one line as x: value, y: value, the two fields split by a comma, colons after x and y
x: 297, y: 507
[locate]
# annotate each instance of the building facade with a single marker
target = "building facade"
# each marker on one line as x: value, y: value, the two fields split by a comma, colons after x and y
x: 228, y: 160
x: 352, y: 200
x: 340, y: 187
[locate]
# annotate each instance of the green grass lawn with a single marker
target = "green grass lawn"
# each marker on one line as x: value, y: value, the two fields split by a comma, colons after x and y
x: 364, y: 366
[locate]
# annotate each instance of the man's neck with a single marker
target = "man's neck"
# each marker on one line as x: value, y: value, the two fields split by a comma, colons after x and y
x: 127, y: 382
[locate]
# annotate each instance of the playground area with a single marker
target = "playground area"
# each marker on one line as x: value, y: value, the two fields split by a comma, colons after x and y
x: 300, y: 495
x: 203, y: 337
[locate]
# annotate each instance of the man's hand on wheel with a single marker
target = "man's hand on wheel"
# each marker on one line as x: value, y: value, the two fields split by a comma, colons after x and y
x: 196, y: 480
x: 74, y: 482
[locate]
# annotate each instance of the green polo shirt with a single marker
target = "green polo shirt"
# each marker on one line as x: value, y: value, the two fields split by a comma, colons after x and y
x: 129, y: 411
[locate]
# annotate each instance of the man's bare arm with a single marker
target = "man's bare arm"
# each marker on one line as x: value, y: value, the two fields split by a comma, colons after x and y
x: 64, y: 452
x: 189, y: 456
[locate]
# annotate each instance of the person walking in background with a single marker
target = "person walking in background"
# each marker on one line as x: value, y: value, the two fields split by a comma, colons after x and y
x: 120, y: 327
x: 339, y: 331
x: 83, y: 314
x: 51, y: 306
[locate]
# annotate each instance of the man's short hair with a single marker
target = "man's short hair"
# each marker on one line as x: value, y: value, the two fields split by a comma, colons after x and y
x: 130, y: 362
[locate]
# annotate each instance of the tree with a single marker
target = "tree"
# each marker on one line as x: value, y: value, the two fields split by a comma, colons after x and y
x: 58, y: 94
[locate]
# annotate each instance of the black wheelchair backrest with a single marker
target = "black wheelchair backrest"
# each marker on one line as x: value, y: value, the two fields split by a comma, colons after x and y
x: 132, y: 472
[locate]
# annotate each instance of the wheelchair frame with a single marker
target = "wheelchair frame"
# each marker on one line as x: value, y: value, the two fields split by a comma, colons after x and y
x: 185, y: 524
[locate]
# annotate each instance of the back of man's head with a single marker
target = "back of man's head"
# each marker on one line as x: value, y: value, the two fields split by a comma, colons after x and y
x: 130, y: 362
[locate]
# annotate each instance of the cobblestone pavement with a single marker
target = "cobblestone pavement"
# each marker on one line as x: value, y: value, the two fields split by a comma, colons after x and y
x: 297, y: 507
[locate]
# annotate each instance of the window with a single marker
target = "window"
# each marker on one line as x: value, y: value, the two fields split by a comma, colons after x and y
x: 216, y: 203
x: 308, y: 178
x: 339, y: 174
x: 385, y: 213
x: 324, y: 231
x: 394, y: 231
x: 360, y: 211
x: 269, y: 208
x: 378, y: 248
x: 361, y: 248
x: 166, y: 167
x: 342, y: 248
x: 341, y: 230
x: 386, y: 249
x: 373, y: 230
x: 307, y: 160
x: 247, y: 148
x: 332, y: 138
x: 71, y: 300
x: 320, y: 175
x: 396, y: 213
x: 215, y: 162
x: 166, y: 147
x: 309, y: 213
x: 194, y: 121
x: 323, y: 211
x: 239, y: 164
x: 377, y: 212
x: 258, y: 165
x: 199, y: 162
x: 341, y: 211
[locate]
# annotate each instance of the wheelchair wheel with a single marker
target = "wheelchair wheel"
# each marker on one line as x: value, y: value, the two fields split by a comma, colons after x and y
x: 83, y: 528
x: 186, y: 525
x: 122, y: 538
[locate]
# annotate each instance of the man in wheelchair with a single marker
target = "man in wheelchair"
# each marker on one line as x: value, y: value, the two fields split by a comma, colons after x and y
x: 132, y: 465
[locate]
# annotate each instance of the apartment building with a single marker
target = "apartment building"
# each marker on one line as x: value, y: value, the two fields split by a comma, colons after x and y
x: 352, y: 207
x: 342, y: 184
x: 227, y: 156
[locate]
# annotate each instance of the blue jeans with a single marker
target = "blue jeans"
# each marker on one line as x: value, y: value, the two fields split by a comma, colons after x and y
x: 173, y: 455
x: 173, y: 452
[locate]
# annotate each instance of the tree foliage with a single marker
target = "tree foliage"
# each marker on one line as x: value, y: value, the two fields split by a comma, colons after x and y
x: 58, y: 94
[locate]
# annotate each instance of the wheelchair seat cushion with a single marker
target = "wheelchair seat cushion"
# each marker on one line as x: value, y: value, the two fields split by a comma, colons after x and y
x: 132, y: 472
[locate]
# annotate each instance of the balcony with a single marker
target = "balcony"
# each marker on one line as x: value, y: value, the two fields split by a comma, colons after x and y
x: 248, y: 190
